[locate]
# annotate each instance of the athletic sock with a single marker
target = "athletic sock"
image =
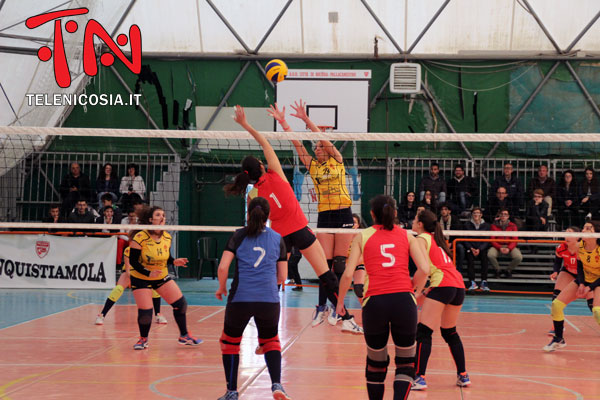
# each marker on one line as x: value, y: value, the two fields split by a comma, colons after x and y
x: 107, y: 306
x: 401, y: 390
x: 230, y: 364
x: 375, y: 390
x: 559, y: 326
x: 273, y: 360
x: 423, y: 348
x: 156, y: 303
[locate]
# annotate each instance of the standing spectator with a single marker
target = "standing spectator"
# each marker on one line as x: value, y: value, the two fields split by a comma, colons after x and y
x: 132, y: 186
x: 434, y: 183
x: 407, y: 211
x: 461, y: 190
x: 107, y: 202
x: 498, y: 202
x: 514, y: 188
x: 547, y: 184
x: 75, y: 186
x: 501, y: 248
x: 54, y: 216
x: 429, y: 202
x: 477, y: 250
x: 450, y: 223
x: 537, y: 212
x: 567, y: 200
x: 107, y: 182
x: 589, y: 193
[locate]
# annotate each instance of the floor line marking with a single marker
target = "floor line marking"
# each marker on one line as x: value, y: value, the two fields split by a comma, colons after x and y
x: 210, y: 315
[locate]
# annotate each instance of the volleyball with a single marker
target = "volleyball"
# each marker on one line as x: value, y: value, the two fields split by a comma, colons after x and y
x: 276, y: 70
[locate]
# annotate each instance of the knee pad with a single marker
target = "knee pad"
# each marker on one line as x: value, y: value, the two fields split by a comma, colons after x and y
x: 155, y: 294
x: 424, y: 333
x: 405, y: 362
x: 116, y: 293
x: 555, y: 293
x: 229, y: 344
x: 596, y: 312
x: 145, y: 316
x: 271, y: 344
x: 590, y: 303
x: 557, y: 310
x: 329, y: 281
x: 450, y: 335
x: 376, y: 369
x: 339, y: 264
x: 359, y: 290
x: 180, y: 306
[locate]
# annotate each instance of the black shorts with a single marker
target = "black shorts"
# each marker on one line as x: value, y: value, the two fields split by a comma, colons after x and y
x: 238, y: 314
x: 563, y: 269
x: 447, y: 295
x: 395, y: 312
x: 301, y: 239
x: 137, y: 283
x: 341, y: 218
x: 591, y: 285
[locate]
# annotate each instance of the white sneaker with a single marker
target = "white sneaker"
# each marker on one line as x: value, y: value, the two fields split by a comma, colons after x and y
x: 160, y: 319
x: 319, y: 316
x: 350, y: 326
x: 100, y: 319
x: 555, y: 344
x: 333, y: 318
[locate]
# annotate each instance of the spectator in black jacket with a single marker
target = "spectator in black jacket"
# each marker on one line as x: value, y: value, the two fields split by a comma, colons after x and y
x: 452, y: 223
x: 434, y: 183
x: 429, y: 202
x: 537, y: 212
x: 407, y: 210
x: 477, y: 250
x: 589, y: 193
x: 499, y: 202
x: 107, y: 202
x: 461, y: 190
x: 54, y: 216
x: 107, y: 182
x: 74, y: 186
x: 547, y: 184
x: 514, y: 189
x: 567, y: 200
x: 81, y: 215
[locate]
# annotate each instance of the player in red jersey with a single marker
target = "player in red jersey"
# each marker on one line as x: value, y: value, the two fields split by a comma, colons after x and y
x: 389, y: 303
x: 286, y: 216
x: 442, y: 303
x: 565, y: 266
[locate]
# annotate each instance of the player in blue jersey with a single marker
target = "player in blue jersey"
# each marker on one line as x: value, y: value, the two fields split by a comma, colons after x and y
x: 261, y: 265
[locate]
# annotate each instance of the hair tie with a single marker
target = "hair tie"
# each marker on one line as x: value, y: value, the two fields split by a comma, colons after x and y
x: 259, y: 207
x: 246, y: 172
x: 385, y: 205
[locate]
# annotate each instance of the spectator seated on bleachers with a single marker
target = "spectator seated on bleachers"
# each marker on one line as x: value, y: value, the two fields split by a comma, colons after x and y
x: 407, y: 210
x: 107, y: 182
x: 499, y: 201
x: 429, y: 202
x: 74, y: 186
x: 589, y: 193
x: 537, y: 212
x: 544, y: 182
x: 132, y: 187
x: 514, y: 189
x: 450, y: 222
x: 54, y: 216
x: 502, y: 248
x: 107, y: 218
x: 82, y: 214
x: 567, y: 200
x: 461, y: 191
x: 477, y: 250
x: 434, y: 183
x: 107, y: 201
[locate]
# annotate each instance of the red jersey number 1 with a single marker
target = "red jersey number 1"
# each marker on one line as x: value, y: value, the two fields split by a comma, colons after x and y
x: 272, y: 195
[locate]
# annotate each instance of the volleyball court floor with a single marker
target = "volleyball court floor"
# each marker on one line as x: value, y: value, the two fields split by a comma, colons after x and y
x: 51, y: 349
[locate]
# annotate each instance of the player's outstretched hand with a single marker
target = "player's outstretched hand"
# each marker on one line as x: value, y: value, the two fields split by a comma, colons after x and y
x: 274, y: 112
x: 240, y: 115
x: 220, y: 293
x: 300, y: 111
x: 180, y: 262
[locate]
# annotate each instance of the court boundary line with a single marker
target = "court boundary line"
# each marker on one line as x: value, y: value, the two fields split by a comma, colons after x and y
x: 45, y: 316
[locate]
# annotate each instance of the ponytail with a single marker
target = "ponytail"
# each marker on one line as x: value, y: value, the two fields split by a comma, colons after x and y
x: 384, y: 210
x: 431, y: 225
x: 251, y: 172
x: 258, y: 213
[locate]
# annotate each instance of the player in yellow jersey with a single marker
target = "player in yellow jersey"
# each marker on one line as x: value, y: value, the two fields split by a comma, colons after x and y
x: 117, y: 292
x: 586, y: 285
x: 149, y: 256
x: 328, y: 173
